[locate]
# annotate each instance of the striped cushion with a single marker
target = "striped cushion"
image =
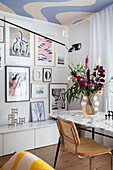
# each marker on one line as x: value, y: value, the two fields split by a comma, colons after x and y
x: 25, y: 161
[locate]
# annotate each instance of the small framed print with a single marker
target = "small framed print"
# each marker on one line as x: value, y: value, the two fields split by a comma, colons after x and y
x: 60, y: 60
x: 17, y: 83
x: 44, y: 51
x: 1, y: 34
x: 47, y: 74
x: 39, y: 90
x: 57, y: 97
x: 37, y: 111
x: 1, y: 56
x: 37, y: 74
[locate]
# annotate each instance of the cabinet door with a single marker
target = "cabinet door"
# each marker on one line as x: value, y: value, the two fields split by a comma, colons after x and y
x: 18, y: 141
x: 46, y: 136
x: 1, y: 145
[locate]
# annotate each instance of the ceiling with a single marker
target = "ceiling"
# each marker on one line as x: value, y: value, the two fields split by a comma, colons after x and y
x: 64, y: 12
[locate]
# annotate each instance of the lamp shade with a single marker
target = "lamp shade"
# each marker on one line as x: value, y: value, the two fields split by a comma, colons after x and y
x: 75, y: 47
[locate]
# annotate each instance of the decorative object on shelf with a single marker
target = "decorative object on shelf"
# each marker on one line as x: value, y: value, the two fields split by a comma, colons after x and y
x: 60, y: 60
x: 19, y: 45
x: 37, y: 111
x: 88, y: 84
x: 109, y: 115
x: 44, y: 51
x: 1, y: 56
x: 1, y: 34
x: 39, y: 90
x: 47, y: 74
x: 37, y: 74
x: 17, y: 83
x: 13, y: 120
x: 57, y: 98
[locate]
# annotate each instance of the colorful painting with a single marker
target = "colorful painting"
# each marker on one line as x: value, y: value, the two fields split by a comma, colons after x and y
x: 19, y: 42
x: 1, y: 34
x: 44, y: 51
x: 17, y: 83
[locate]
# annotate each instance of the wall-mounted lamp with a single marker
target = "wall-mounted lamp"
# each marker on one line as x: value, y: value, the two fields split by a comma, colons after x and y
x: 74, y: 47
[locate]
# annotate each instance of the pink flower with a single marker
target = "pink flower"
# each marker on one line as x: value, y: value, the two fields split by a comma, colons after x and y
x: 100, y: 92
x: 75, y: 78
x: 70, y: 79
x: 112, y: 78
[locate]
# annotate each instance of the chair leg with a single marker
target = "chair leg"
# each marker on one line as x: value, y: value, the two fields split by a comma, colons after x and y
x: 111, y: 159
x: 56, y: 156
x: 90, y: 163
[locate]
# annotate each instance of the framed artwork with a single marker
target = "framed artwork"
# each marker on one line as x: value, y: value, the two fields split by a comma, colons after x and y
x: 39, y: 90
x: 1, y: 34
x: 17, y: 83
x: 37, y: 74
x: 44, y: 51
x: 47, y: 74
x: 37, y: 111
x: 19, y: 46
x: 57, y: 98
x: 60, y: 60
x: 1, y: 56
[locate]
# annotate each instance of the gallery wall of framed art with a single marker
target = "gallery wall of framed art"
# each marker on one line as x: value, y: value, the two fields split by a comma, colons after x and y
x: 18, y: 90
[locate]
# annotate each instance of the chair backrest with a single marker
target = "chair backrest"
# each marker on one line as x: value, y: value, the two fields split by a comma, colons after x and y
x: 68, y: 130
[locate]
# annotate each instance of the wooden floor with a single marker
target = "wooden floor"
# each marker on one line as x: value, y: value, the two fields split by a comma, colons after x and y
x: 67, y: 160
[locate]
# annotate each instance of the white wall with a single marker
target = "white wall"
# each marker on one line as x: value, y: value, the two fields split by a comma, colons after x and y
x: 78, y: 33
x: 59, y: 75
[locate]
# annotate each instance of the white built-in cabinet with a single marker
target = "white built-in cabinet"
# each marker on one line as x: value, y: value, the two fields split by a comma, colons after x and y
x: 29, y: 136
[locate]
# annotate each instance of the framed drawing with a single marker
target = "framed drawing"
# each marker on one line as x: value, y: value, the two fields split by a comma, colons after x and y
x: 17, y: 83
x: 19, y: 45
x: 37, y: 74
x: 39, y: 90
x: 1, y: 34
x: 57, y: 98
x: 44, y: 51
x: 1, y: 56
x: 60, y: 60
x: 47, y: 74
x: 37, y: 111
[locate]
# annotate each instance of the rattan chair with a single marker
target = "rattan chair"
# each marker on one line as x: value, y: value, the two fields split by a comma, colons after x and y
x: 85, y: 147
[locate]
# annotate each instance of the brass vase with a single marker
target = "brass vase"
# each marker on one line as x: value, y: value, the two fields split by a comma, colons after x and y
x: 90, y: 105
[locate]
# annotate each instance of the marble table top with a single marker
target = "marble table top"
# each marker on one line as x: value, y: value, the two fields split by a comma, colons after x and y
x: 96, y: 121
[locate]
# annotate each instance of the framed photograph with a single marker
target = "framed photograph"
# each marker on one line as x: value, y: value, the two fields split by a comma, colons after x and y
x: 39, y: 90
x: 1, y: 34
x: 1, y: 56
x: 44, y: 51
x: 37, y: 111
x: 19, y: 45
x: 47, y: 74
x: 17, y: 83
x: 37, y: 74
x: 57, y: 98
x: 60, y: 60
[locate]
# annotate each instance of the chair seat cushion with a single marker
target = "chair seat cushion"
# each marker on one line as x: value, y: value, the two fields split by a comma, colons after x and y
x: 25, y: 161
x: 87, y: 147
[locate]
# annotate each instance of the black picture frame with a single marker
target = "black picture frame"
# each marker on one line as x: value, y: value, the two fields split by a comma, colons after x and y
x: 17, y: 84
x: 2, y: 41
x: 46, y: 73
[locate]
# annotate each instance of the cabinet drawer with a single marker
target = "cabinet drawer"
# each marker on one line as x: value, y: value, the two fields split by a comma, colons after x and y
x: 1, y: 145
x: 18, y: 141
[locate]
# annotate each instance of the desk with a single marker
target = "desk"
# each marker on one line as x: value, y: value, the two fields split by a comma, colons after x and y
x: 94, y: 121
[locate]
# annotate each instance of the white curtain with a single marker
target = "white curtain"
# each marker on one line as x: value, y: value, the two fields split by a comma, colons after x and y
x: 101, y: 45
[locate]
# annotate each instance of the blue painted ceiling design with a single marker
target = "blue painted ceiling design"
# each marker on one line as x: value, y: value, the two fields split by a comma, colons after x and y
x: 55, y: 13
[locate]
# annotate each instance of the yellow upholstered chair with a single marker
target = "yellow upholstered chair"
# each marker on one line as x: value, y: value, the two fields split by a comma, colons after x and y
x: 83, y: 148
x: 25, y: 161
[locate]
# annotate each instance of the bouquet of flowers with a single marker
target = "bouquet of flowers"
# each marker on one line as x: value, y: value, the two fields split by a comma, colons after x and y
x: 85, y: 83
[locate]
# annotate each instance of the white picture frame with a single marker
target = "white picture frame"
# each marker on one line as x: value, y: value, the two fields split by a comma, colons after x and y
x: 37, y: 111
x: 61, y: 60
x: 37, y: 74
x: 19, y: 44
x: 44, y: 51
x: 57, y: 99
x: 39, y: 90
x: 1, y: 34
x: 1, y: 56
